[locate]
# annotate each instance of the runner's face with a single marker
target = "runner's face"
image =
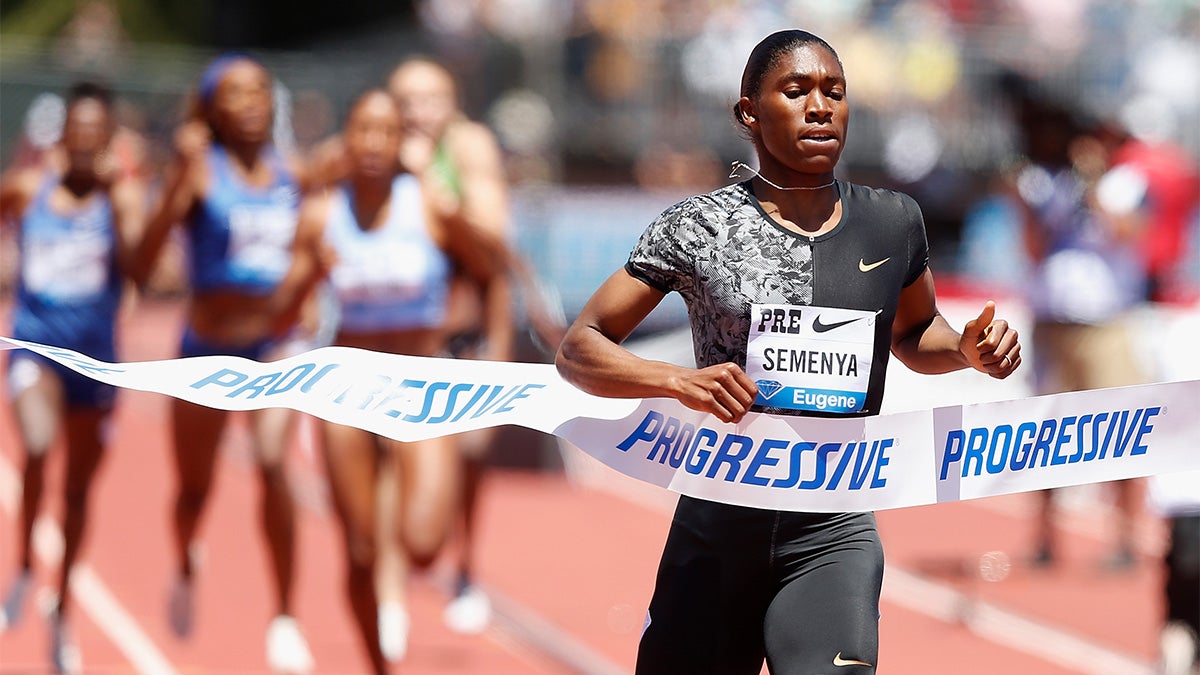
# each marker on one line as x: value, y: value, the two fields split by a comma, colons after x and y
x: 86, y: 133
x: 801, y: 112
x: 426, y: 97
x: 373, y: 136
x: 242, y: 105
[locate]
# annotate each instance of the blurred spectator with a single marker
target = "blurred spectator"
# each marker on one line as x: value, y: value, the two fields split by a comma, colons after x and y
x: 1085, y: 278
x: 1155, y: 185
x: 93, y: 40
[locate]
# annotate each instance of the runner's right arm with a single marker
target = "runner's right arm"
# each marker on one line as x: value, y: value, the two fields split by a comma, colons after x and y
x: 591, y: 357
x: 181, y: 190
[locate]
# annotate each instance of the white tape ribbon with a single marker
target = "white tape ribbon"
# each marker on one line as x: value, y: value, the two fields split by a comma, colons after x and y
x: 778, y: 462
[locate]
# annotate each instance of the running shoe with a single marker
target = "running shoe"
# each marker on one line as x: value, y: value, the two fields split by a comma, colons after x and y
x: 181, y: 597
x: 180, y: 607
x: 469, y: 612
x: 64, y: 653
x: 14, y: 600
x: 287, y: 650
x: 393, y: 631
x: 1176, y: 649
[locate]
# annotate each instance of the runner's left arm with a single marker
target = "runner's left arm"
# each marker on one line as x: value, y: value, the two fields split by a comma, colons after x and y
x: 130, y: 211
x: 924, y: 341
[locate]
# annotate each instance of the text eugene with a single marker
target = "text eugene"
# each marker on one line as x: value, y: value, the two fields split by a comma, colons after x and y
x: 440, y: 401
x: 744, y: 459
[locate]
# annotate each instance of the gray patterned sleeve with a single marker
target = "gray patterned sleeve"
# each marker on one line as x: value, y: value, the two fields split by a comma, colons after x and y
x: 661, y: 257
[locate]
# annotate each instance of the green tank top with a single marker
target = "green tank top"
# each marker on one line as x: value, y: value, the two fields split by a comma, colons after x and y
x: 444, y: 170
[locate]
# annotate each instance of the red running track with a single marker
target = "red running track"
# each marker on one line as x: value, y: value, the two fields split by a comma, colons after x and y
x: 570, y: 565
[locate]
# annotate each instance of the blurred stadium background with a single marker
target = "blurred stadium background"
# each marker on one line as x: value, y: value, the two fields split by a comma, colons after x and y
x: 610, y: 110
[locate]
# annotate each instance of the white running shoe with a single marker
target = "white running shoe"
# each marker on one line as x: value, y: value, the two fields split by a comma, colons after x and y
x: 287, y: 650
x: 64, y: 654
x: 14, y: 600
x: 469, y: 612
x: 393, y: 631
x: 1177, y: 649
x: 180, y: 606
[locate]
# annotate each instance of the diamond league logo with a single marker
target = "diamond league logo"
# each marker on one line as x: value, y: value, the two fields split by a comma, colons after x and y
x: 768, y: 388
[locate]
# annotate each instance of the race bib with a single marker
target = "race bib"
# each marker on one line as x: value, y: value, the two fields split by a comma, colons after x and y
x: 67, y: 268
x: 383, y: 271
x: 260, y: 238
x: 810, y: 358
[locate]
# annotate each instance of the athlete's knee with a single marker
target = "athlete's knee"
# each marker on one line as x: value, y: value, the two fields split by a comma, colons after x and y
x: 191, y: 498
x: 423, y: 557
x: 75, y: 495
x: 361, y: 552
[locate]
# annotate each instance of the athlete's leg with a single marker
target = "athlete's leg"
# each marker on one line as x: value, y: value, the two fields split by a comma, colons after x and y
x: 38, y: 403
x: 470, y: 610
x: 272, y: 430
x: 473, y: 447
x: 85, y: 448
x: 825, y: 617
x: 351, y: 462
x: 712, y: 589
x: 196, y: 432
x: 391, y: 567
x: 430, y: 472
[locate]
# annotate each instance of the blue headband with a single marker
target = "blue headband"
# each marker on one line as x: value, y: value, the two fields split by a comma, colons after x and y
x: 213, y: 74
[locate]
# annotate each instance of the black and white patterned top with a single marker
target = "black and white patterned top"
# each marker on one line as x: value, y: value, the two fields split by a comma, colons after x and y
x: 723, y: 253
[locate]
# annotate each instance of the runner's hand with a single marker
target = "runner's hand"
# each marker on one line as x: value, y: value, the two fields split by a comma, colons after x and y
x: 192, y: 140
x: 990, y: 345
x: 724, y: 390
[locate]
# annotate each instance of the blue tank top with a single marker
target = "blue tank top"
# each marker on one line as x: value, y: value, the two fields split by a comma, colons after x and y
x: 240, y: 236
x: 391, y: 278
x: 69, y: 287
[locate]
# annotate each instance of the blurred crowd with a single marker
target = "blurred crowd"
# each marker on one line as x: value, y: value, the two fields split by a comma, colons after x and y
x: 1053, y: 148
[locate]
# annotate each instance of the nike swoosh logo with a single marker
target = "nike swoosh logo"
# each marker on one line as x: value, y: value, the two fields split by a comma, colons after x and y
x: 864, y: 267
x: 839, y: 661
x: 825, y: 327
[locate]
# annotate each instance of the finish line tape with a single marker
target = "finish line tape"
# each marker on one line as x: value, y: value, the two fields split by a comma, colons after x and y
x: 768, y: 461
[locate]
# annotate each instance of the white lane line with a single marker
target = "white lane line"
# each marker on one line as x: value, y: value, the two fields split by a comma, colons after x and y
x: 909, y: 590
x: 1006, y: 628
x: 551, y: 640
x: 92, y: 594
x: 515, y: 624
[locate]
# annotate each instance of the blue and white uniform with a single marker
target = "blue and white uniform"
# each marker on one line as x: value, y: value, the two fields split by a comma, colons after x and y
x: 240, y: 239
x: 394, y: 277
x: 69, y: 290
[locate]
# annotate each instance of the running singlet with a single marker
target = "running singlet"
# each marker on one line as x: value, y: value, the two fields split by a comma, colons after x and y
x: 241, y: 235
x: 391, y: 278
x: 808, y: 318
x: 69, y: 286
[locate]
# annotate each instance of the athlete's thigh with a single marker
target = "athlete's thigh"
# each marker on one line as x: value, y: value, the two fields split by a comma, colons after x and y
x: 710, y: 595
x: 39, y: 402
x: 826, y: 619
x: 86, y: 431
x: 351, y: 461
x: 272, y: 430
x: 430, y: 477
x: 196, y: 433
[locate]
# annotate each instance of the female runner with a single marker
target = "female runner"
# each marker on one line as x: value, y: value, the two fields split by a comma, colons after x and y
x: 237, y: 199
x: 395, y: 254
x: 739, y: 584
x: 78, y: 226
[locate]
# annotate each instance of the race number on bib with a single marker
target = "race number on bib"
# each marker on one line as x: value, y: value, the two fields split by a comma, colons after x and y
x: 67, y: 269
x: 260, y: 238
x: 810, y: 358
